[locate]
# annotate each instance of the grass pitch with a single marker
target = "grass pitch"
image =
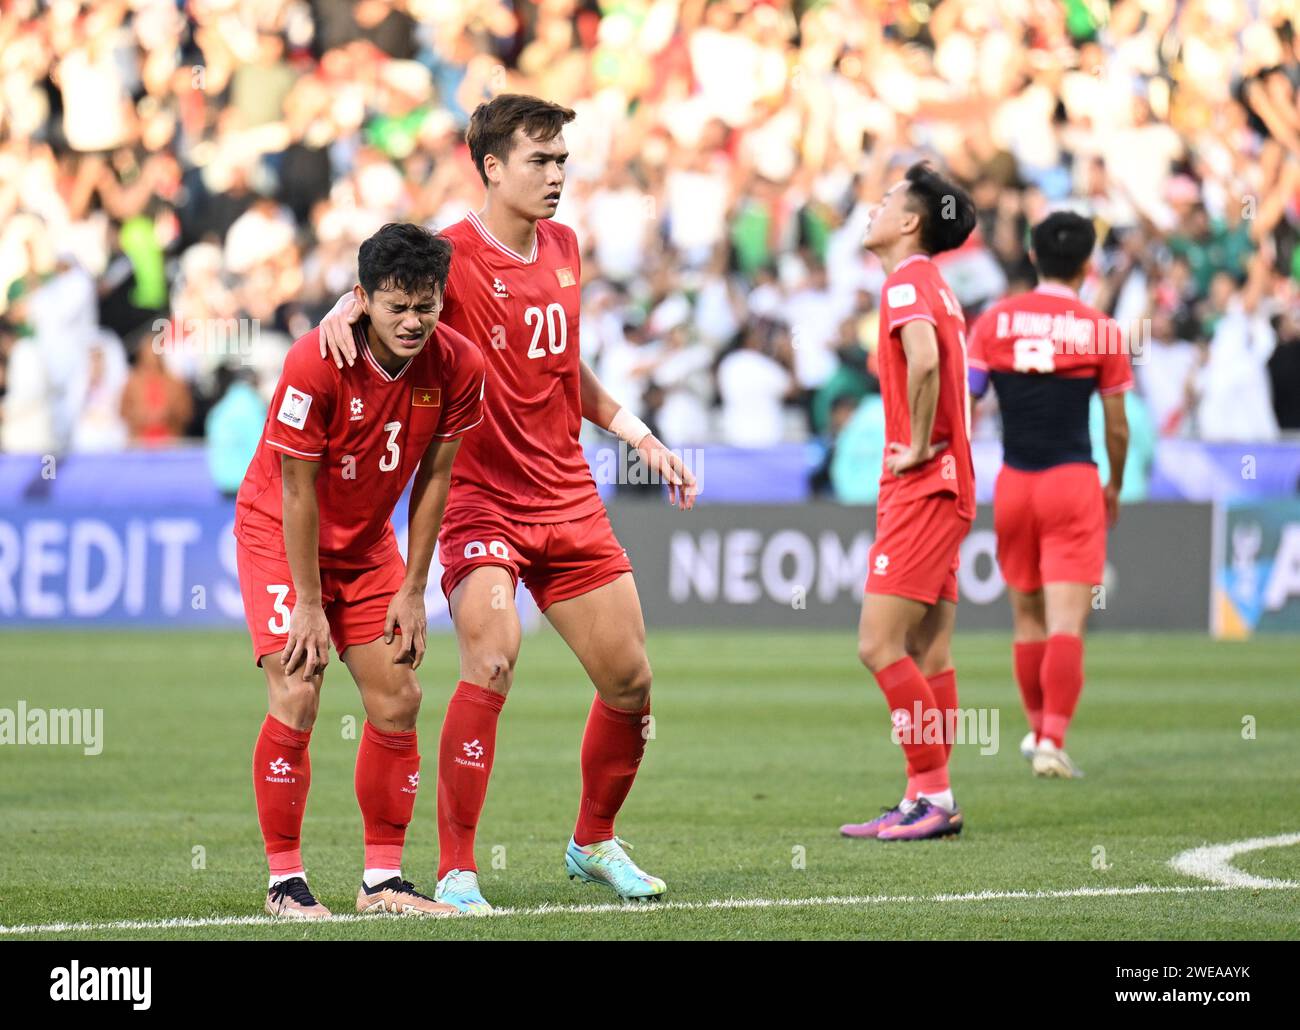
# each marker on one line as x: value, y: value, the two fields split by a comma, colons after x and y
x: 764, y: 743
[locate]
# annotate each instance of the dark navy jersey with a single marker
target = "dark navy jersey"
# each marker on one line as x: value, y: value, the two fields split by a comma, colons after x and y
x: 1045, y: 352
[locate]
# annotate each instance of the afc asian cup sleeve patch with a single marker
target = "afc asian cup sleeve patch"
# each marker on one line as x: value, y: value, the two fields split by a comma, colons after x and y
x: 901, y: 296
x: 294, y: 407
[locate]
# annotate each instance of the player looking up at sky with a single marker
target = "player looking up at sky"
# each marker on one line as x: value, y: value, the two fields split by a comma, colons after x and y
x: 927, y: 496
x: 1045, y: 352
x: 318, y: 559
x: 524, y: 505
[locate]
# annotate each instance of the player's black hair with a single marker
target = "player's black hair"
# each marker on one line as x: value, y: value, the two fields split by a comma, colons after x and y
x: 1063, y: 242
x: 493, y: 123
x: 403, y: 256
x: 946, y: 210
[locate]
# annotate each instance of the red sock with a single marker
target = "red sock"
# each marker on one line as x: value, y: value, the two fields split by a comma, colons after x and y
x: 943, y: 685
x: 465, y: 753
x: 1062, y: 684
x: 913, y: 791
x: 388, y: 774
x: 281, y: 778
x: 1028, y: 657
x: 612, y: 746
x: 909, y: 696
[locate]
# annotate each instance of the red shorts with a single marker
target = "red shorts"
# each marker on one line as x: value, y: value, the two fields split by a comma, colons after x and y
x: 917, y: 550
x: 556, y: 560
x: 1051, y: 526
x: 355, y: 600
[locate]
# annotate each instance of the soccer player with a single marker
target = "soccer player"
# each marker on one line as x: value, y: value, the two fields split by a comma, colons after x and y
x: 927, y: 496
x: 1045, y: 352
x: 318, y: 559
x: 524, y: 505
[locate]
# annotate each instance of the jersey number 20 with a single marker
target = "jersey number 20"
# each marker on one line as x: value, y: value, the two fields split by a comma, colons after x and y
x: 557, y: 329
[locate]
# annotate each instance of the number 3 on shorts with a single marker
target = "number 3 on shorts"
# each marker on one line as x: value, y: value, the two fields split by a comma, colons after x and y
x: 279, y: 623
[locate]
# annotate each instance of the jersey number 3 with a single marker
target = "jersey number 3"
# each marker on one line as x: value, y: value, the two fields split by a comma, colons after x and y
x: 389, y: 461
x: 557, y: 329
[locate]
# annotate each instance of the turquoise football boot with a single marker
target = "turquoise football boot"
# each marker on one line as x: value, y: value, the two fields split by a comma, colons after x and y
x: 607, y: 863
x: 459, y: 888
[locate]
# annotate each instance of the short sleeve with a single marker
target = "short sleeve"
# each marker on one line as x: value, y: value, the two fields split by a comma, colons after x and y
x: 468, y: 384
x: 905, y: 303
x: 1115, y: 374
x: 303, y: 404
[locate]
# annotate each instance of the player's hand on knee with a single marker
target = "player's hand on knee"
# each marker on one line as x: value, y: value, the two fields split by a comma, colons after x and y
x: 308, y: 645
x: 336, y: 331
x: 406, y: 612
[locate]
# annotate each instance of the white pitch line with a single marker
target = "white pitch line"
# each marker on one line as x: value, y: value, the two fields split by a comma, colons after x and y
x: 835, y: 901
x: 1214, y: 862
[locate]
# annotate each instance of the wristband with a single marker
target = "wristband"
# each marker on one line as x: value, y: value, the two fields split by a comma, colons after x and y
x: 628, y: 428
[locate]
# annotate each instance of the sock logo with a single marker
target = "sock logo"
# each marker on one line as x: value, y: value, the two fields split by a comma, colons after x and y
x: 95, y: 983
x: 901, y: 719
x: 473, y: 751
x: 414, y: 783
x: 279, y: 769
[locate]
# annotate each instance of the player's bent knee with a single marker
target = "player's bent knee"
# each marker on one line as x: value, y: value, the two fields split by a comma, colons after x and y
x: 406, y: 702
x: 631, y: 691
x: 495, y: 671
x: 294, y: 701
x: 931, y: 663
x: 876, y: 654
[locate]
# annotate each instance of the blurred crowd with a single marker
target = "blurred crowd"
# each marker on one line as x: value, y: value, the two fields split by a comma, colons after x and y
x: 184, y: 185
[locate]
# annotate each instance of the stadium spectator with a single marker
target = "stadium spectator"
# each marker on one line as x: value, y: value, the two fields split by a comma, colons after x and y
x: 1284, y: 369
x: 754, y: 382
x: 723, y: 160
x: 859, y: 453
x: 233, y: 430
x: 97, y: 393
x: 155, y: 404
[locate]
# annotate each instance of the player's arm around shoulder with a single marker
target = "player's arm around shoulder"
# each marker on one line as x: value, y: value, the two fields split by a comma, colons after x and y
x: 337, y: 341
x: 600, y: 408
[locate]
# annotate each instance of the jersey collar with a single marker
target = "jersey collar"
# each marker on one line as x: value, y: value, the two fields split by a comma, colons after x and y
x: 909, y: 260
x: 482, y: 230
x: 1056, y: 290
x: 363, y: 345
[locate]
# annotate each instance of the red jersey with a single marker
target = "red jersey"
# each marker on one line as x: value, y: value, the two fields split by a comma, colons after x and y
x: 915, y: 289
x: 1045, y: 352
x: 525, y: 461
x: 368, y: 429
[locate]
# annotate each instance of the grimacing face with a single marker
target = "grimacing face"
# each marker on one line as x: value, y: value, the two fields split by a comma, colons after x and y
x: 531, y: 178
x: 402, y: 321
x: 889, y: 218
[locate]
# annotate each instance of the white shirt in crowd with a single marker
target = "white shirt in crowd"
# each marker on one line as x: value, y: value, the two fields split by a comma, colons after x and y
x: 1162, y: 375
x: 1236, y: 398
x: 753, y: 387
x: 814, y: 317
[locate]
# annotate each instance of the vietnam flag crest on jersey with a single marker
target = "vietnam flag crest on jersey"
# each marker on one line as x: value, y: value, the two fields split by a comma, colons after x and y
x: 426, y: 397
